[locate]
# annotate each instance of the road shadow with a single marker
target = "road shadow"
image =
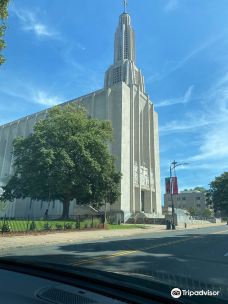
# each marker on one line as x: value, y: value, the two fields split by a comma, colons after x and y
x: 178, y: 259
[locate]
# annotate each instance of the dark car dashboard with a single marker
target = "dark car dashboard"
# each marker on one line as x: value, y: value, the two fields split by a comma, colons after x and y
x: 20, y: 288
x: 25, y: 282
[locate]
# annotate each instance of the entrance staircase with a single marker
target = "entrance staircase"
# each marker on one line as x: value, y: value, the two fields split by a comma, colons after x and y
x: 146, y: 218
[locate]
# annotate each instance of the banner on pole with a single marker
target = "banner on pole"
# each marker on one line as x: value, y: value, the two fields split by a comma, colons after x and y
x: 174, y: 185
x: 171, y: 187
x: 167, y: 185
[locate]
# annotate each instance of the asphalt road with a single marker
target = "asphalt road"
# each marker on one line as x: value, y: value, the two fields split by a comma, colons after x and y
x: 197, y: 254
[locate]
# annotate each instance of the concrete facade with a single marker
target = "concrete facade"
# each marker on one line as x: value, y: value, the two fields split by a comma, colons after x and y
x: 185, y: 200
x: 123, y: 101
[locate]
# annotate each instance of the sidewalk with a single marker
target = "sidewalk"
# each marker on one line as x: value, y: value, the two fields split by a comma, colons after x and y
x: 196, y: 225
x: 12, y: 242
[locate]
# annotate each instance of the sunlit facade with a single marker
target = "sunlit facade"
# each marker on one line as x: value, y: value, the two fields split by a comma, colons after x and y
x: 124, y: 102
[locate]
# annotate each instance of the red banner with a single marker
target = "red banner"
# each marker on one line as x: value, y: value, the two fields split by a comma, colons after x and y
x: 174, y: 185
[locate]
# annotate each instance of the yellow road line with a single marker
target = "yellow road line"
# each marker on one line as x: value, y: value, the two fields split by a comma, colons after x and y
x: 121, y: 253
x: 128, y: 252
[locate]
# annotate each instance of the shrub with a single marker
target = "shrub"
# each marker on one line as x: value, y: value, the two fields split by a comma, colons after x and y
x: 58, y: 226
x: 47, y: 226
x: 68, y: 226
x: 77, y: 225
x: 111, y: 221
x: 6, y: 227
x: 32, y: 226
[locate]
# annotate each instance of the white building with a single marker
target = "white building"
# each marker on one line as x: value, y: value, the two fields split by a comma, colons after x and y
x: 124, y: 102
x: 186, y: 200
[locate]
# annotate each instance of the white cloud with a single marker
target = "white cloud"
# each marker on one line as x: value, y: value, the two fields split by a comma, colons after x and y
x: 183, y: 126
x: 30, y: 22
x: 43, y: 98
x: 23, y: 89
x: 196, y: 166
x: 84, y: 78
x: 171, y: 5
x: 179, y: 100
x: 173, y: 67
x: 40, y: 29
x: 214, y: 114
x: 214, y: 144
x: 214, y: 141
x: 211, y: 131
x: 210, y: 126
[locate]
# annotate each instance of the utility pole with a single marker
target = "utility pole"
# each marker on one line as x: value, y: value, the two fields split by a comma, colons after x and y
x: 171, y: 196
x: 173, y: 166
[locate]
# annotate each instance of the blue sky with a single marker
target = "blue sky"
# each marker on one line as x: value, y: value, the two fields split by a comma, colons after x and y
x: 58, y: 50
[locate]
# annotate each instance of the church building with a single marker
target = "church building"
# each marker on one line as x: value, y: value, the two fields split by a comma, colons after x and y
x: 123, y: 101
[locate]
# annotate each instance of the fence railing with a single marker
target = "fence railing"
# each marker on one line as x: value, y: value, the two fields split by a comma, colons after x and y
x: 48, y: 223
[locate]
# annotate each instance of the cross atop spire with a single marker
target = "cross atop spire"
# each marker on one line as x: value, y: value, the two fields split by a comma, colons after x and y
x: 125, y: 6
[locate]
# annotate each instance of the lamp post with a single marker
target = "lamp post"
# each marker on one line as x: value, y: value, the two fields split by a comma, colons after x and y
x: 173, y: 166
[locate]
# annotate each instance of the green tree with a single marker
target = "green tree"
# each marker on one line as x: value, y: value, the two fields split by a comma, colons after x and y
x: 217, y: 195
x: 3, y: 16
x: 65, y: 158
x: 206, y: 212
x: 192, y: 211
x: 201, y: 189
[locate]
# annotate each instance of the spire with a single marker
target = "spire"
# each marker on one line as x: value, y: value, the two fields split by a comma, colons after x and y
x: 124, y: 68
x: 124, y: 40
x: 125, y: 6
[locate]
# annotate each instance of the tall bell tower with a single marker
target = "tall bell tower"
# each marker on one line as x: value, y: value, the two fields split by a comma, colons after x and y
x: 124, y: 68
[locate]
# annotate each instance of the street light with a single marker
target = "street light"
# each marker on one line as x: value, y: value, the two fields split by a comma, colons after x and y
x: 173, y: 165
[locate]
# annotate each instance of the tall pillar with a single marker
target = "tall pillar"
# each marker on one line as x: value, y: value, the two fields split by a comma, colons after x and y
x: 149, y: 152
x: 108, y: 114
x: 132, y: 157
x: 139, y: 147
x: 156, y: 164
